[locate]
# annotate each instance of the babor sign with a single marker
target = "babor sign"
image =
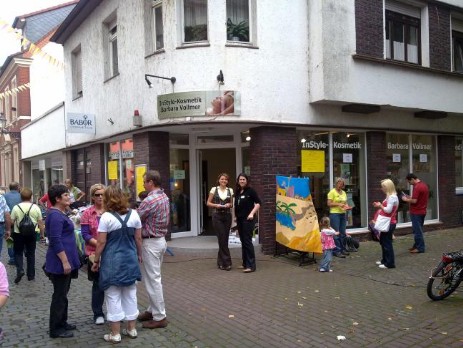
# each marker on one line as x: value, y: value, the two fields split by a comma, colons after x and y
x: 199, y: 103
x: 80, y: 123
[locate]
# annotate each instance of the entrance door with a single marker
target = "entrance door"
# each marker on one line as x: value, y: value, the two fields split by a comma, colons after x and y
x: 211, y: 163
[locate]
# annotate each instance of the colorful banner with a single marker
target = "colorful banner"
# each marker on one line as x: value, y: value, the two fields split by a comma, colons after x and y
x: 13, y: 91
x: 296, y: 219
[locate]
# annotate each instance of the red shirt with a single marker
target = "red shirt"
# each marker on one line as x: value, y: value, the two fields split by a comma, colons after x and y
x: 45, y: 199
x: 421, y: 194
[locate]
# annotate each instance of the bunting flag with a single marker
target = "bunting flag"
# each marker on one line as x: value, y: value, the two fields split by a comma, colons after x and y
x: 34, y: 50
x: 15, y: 90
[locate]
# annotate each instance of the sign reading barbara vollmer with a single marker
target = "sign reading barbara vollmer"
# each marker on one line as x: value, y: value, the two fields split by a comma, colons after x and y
x: 80, y: 123
x: 199, y: 103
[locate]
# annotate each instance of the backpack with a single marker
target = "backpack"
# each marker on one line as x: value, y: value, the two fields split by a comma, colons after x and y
x: 26, y: 226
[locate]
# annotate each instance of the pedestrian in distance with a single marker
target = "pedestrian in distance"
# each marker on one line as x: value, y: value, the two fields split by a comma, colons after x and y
x: 117, y: 258
x: 388, y: 207
x: 154, y: 213
x: 75, y: 194
x: 247, y: 204
x: 25, y: 238
x: 327, y: 233
x: 89, y: 228
x: 337, y: 202
x: 62, y: 260
x: 418, y: 205
x: 221, y: 201
x: 12, y: 198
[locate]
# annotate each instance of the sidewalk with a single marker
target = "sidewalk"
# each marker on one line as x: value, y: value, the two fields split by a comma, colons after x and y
x: 280, y: 305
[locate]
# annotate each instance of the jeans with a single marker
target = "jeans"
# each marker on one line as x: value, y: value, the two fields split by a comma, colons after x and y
x: 2, y: 234
x: 325, y: 262
x: 28, y: 244
x: 245, y: 228
x: 59, y: 303
x: 385, y: 239
x: 338, y: 223
x: 222, y: 224
x: 97, y: 299
x: 11, y: 255
x: 153, y: 250
x: 417, y: 226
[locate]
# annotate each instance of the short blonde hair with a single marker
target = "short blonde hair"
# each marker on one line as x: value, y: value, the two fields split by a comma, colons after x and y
x: 94, y: 188
x: 389, y: 186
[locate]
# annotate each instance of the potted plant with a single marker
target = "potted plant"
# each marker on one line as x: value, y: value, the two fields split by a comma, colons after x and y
x: 237, y: 32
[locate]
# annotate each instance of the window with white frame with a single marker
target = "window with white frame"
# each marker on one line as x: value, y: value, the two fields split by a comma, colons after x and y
x: 238, y: 20
x: 457, y: 45
x: 194, y: 20
x: 157, y: 25
x: 76, y: 61
x: 7, y: 105
x: 111, y: 61
x: 14, y: 99
x: 403, y: 32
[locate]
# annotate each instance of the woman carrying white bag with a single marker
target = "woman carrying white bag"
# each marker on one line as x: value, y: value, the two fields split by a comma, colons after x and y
x: 386, y: 221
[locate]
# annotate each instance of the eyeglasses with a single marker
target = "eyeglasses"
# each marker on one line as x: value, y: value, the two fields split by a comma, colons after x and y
x: 98, y: 194
x: 147, y: 181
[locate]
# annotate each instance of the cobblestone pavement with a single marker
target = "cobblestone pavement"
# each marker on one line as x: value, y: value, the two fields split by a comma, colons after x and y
x: 280, y: 305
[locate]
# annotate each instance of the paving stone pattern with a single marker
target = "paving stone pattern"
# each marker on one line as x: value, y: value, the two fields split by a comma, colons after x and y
x: 280, y: 305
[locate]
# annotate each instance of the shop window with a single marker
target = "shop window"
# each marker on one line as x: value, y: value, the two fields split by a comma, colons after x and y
x: 459, y: 165
x: 326, y: 156
x: 121, y: 168
x: 403, y: 29
x: 412, y: 154
x: 76, y: 61
x: 111, y: 51
x: 194, y: 20
x: 180, y: 190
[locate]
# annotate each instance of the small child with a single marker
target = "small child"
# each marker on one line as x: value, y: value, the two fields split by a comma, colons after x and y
x: 4, y: 292
x: 328, y: 245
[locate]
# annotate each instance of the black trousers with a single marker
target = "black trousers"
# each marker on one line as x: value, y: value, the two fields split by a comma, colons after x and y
x: 222, y: 224
x: 245, y: 228
x: 59, y: 302
x: 23, y: 243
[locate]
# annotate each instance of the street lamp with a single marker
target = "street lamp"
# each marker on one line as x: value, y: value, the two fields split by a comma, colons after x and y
x: 7, y: 133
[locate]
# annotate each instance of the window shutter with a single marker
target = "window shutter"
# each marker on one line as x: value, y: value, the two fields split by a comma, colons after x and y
x: 403, y: 8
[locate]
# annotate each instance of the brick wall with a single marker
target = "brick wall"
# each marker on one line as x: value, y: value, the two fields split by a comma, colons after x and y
x: 274, y: 152
x: 369, y: 27
x: 376, y: 164
x: 95, y: 154
x: 439, y: 37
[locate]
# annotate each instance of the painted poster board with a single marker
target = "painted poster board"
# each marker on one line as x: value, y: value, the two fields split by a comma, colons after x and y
x: 140, y: 170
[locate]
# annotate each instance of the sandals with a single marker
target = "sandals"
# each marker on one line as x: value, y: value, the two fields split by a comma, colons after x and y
x: 112, y: 338
x: 130, y: 333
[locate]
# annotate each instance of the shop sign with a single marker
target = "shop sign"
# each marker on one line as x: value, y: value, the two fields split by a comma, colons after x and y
x: 80, y: 123
x: 125, y: 154
x: 199, y: 103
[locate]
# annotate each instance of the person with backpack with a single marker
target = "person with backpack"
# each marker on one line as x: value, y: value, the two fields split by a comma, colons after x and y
x: 27, y: 221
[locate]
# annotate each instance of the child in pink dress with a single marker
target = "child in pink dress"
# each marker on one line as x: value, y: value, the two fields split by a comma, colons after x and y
x: 328, y: 244
x: 4, y: 292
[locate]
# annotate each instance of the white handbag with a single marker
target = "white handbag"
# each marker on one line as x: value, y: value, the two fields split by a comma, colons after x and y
x: 383, y: 223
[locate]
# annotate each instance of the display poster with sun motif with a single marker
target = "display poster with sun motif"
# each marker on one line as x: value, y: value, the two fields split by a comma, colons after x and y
x: 296, y: 219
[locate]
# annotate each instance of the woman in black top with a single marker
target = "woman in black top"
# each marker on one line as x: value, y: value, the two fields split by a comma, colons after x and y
x: 247, y: 203
x: 221, y: 200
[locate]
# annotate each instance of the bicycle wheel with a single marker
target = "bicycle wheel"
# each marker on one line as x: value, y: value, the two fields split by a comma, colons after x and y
x: 444, y: 281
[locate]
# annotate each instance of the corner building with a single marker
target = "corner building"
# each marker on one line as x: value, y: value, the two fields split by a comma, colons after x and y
x: 363, y: 89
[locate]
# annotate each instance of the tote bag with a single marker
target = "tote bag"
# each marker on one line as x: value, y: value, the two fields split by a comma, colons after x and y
x: 382, y: 223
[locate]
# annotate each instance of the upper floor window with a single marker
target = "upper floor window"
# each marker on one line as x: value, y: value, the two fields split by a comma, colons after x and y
x: 7, y: 105
x: 403, y: 35
x: 111, y: 59
x: 14, y: 99
x: 238, y: 20
x: 158, y: 28
x: 76, y: 60
x: 195, y: 20
x: 457, y: 45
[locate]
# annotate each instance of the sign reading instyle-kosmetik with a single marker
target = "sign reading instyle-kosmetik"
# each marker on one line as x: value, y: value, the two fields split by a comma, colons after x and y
x: 80, y: 123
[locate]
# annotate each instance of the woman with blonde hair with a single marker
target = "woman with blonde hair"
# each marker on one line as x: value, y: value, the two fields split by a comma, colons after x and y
x: 89, y: 228
x: 388, y: 207
x: 117, y: 257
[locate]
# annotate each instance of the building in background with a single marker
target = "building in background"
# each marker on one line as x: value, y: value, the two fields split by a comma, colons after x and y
x: 362, y: 89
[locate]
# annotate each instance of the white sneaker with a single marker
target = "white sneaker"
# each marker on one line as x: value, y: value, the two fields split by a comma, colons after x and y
x: 382, y: 266
x: 379, y: 263
x: 130, y: 333
x: 112, y: 338
x: 99, y: 321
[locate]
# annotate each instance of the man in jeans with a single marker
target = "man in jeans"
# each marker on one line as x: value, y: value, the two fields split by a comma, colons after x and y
x: 155, y: 216
x: 418, y: 204
x: 5, y: 221
x: 12, y: 198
